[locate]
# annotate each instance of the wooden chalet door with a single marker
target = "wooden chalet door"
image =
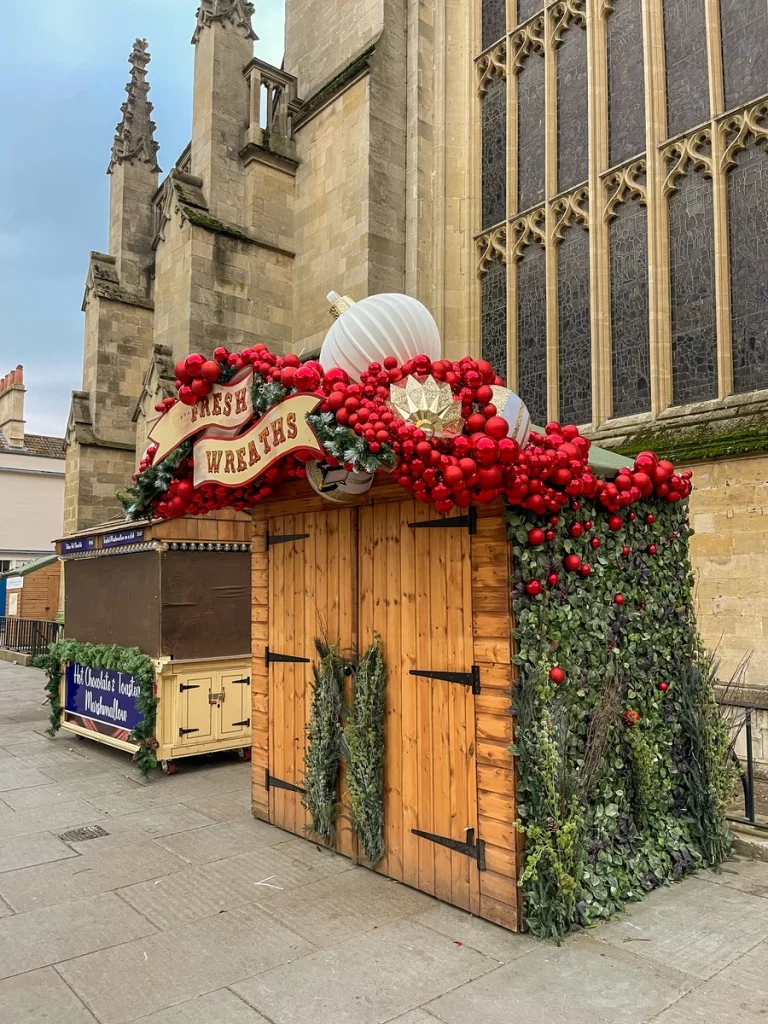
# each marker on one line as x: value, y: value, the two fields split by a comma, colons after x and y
x: 415, y: 590
x: 312, y: 591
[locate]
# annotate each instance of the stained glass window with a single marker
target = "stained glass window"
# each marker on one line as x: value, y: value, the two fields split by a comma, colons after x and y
x: 748, y: 229
x: 744, y: 26
x: 685, y: 50
x: 630, y: 352
x: 530, y: 132
x: 692, y: 289
x: 495, y: 153
x: 626, y: 101
x: 532, y: 332
x: 574, y: 342
x: 572, y: 108
x: 493, y: 316
x: 494, y: 21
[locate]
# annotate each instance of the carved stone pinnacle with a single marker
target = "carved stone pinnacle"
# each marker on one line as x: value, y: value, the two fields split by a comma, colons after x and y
x: 135, y: 135
x: 237, y: 12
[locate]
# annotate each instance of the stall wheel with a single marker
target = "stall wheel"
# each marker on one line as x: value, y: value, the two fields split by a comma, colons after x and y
x: 244, y: 753
x: 169, y: 767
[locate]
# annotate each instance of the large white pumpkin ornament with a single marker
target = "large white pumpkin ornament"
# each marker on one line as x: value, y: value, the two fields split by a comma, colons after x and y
x: 383, y: 325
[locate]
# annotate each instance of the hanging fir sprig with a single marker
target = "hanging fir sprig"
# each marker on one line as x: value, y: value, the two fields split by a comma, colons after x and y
x: 348, y: 447
x: 266, y: 394
x: 323, y: 749
x: 153, y: 483
x: 363, y: 746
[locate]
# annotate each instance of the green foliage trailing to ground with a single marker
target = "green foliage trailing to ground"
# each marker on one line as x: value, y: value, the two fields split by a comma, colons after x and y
x: 128, y: 660
x: 364, y: 752
x: 322, y: 756
x: 623, y: 784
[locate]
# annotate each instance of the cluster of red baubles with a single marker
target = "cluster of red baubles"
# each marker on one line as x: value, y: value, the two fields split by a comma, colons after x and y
x: 477, y: 465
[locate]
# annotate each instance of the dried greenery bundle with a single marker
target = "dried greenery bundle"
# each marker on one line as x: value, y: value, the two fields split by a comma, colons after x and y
x: 323, y: 749
x: 364, y: 752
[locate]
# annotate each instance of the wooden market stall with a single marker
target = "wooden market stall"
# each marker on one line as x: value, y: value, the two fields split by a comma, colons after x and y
x: 436, y: 588
x: 32, y: 591
x: 179, y: 591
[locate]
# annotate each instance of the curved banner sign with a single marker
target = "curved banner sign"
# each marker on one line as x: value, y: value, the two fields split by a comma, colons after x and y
x: 227, y: 407
x: 234, y: 462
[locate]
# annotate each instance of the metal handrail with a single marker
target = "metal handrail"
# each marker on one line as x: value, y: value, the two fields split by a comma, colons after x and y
x: 748, y: 775
x: 28, y: 636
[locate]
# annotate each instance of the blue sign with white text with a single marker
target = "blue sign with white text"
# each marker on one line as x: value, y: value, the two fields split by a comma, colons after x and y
x: 102, y: 695
x: 78, y: 544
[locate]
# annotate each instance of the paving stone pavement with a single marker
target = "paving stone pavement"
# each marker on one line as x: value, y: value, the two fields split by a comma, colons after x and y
x: 189, y: 911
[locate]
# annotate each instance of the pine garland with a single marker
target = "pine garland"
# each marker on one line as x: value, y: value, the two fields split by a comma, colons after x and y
x: 153, y: 483
x: 348, y: 447
x: 322, y: 756
x: 364, y: 752
x: 129, y: 660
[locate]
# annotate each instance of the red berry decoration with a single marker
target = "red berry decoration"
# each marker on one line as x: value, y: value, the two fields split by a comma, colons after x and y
x: 625, y: 550
x: 585, y: 570
x: 550, y: 535
x: 533, y: 587
x: 663, y: 687
x: 557, y: 675
x: 552, y: 579
x: 652, y: 549
x: 575, y: 529
x: 572, y: 563
x: 594, y: 543
x: 650, y: 519
x: 536, y: 537
x: 588, y: 525
x: 619, y: 599
x: 615, y: 522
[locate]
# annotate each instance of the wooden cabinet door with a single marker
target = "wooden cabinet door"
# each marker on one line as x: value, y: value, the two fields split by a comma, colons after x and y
x: 235, y: 707
x: 416, y: 592
x: 312, y: 592
x: 197, y: 716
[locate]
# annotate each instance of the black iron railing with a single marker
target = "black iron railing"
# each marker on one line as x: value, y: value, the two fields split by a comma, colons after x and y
x: 747, y: 771
x: 28, y: 636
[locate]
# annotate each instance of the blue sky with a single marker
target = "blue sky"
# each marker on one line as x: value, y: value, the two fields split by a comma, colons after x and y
x: 63, y: 69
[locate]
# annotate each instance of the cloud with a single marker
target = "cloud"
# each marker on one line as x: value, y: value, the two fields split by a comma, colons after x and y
x: 64, y: 73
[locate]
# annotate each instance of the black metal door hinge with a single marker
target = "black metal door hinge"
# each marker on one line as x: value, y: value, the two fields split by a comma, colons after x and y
x: 469, y: 520
x: 284, y: 538
x: 271, y: 781
x: 186, y: 732
x: 242, y: 682
x: 270, y: 656
x: 471, y: 678
x: 246, y: 722
x: 470, y: 848
x: 188, y: 686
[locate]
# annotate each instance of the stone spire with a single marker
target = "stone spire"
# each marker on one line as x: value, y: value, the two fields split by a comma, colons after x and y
x: 237, y: 12
x: 135, y: 138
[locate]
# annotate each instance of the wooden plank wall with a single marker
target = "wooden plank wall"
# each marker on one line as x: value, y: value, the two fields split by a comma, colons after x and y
x: 259, y: 671
x: 496, y: 776
x: 224, y: 527
x: 39, y: 597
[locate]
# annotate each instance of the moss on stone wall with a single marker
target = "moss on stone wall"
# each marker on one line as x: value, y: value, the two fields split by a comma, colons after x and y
x: 684, y: 444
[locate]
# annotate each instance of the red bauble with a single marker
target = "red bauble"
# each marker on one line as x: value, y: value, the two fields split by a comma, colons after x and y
x: 497, y: 427
x: 552, y: 579
x: 221, y: 354
x: 572, y: 563
x: 652, y: 549
x: 486, y: 450
x: 453, y: 476
x: 186, y: 395
x: 186, y: 490
x: 619, y: 599
x: 650, y: 519
x: 625, y: 550
x: 533, y: 587
x: 594, y: 543
x: 200, y: 388
x: 550, y: 535
x: 585, y: 570
x: 194, y: 364
x: 663, y: 687
x: 575, y: 529
x: 557, y: 675
x: 644, y: 483
x: 615, y: 522
x: 475, y: 423
x: 536, y: 537
x: 306, y: 378
x: 180, y: 369
x: 210, y: 371
x: 468, y: 467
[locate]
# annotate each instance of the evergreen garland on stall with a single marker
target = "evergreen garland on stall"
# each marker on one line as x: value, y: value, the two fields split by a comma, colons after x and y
x: 152, y: 483
x: 363, y: 746
x: 322, y: 756
x: 622, y: 753
x: 348, y: 447
x: 128, y: 660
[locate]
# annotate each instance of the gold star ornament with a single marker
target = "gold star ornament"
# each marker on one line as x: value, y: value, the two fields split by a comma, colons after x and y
x: 429, y: 405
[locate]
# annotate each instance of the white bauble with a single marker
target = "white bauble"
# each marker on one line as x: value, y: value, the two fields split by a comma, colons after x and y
x: 382, y: 325
x: 512, y: 408
x: 336, y: 483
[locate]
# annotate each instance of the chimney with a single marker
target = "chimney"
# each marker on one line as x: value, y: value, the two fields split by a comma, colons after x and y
x: 12, y: 392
